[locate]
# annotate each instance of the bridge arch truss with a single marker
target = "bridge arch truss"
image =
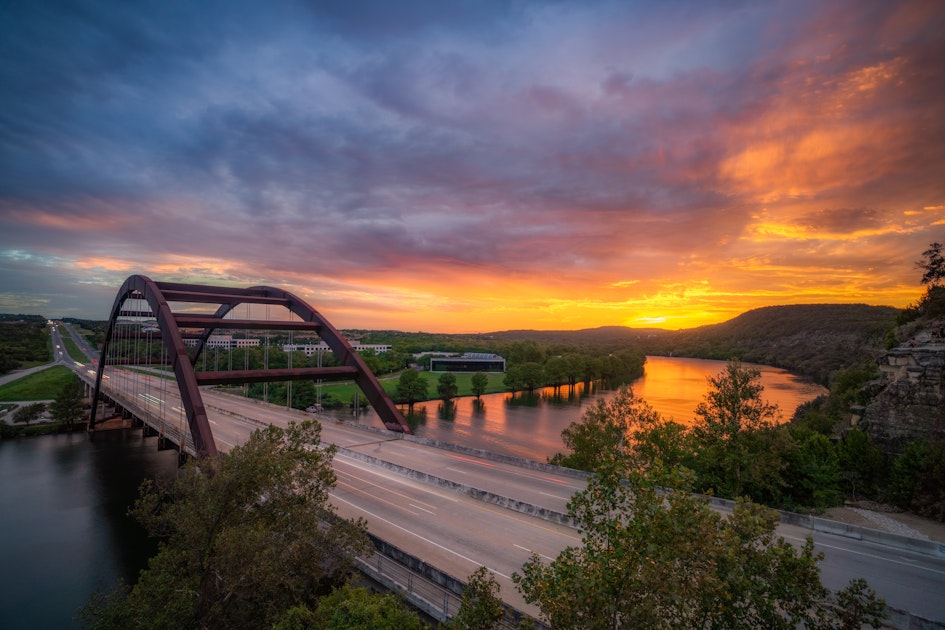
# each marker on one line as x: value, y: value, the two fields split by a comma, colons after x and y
x: 143, y: 303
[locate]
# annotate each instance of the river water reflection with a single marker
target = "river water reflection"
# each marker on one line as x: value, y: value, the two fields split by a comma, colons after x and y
x: 530, y: 426
x: 63, y: 499
x: 63, y: 525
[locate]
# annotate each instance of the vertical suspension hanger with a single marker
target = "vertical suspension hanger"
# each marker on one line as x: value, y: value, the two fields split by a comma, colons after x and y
x: 266, y: 360
x: 246, y: 356
x: 288, y: 385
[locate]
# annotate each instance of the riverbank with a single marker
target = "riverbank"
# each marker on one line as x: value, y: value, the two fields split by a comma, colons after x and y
x: 11, y: 431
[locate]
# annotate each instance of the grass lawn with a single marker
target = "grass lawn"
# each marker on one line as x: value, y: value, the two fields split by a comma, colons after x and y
x: 72, y: 349
x: 44, y: 385
x: 345, y: 391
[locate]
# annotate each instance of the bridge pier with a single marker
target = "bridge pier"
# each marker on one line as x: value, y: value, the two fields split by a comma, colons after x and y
x: 165, y: 444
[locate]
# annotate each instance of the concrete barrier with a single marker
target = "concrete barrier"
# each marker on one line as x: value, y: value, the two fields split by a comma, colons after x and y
x: 522, y: 507
x: 496, y: 457
x: 814, y: 523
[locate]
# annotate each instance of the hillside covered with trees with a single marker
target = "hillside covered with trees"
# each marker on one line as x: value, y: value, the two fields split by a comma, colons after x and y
x: 810, y: 339
x: 24, y: 340
x: 814, y: 340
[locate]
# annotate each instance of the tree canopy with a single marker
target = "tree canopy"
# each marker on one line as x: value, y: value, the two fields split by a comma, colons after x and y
x: 446, y: 386
x: 932, y: 264
x: 246, y: 536
x: 655, y: 559
x: 411, y: 387
x: 735, y: 435
x: 67, y: 408
x: 606, y: 431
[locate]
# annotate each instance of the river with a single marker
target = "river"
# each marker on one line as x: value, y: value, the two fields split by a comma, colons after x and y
x: 63, y: 525
x: 530, y: 426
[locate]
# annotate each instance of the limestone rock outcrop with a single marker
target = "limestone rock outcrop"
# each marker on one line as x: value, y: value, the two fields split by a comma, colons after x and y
x: 910, y: 403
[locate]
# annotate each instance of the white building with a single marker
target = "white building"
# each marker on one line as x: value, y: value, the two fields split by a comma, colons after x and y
x: 312, y: 348
x: 225, y: 342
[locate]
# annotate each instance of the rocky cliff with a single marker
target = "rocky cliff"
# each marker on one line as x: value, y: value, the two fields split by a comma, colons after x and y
x: 910, y: 403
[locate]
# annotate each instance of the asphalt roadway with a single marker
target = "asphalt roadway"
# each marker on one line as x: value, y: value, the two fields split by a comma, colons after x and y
x: 457, y: 533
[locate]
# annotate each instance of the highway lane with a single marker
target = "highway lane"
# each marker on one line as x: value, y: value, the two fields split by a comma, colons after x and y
x: 548, y: 490
x: 908, y: 581
x: 545, y: 489
x: 80, y: 341
x: 445, y: 528
x: 455, y: 532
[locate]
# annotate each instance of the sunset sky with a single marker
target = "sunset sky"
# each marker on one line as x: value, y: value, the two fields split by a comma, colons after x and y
x: 473, y: 166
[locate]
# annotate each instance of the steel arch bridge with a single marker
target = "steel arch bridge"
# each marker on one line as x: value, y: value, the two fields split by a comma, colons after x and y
x: 151, y: 300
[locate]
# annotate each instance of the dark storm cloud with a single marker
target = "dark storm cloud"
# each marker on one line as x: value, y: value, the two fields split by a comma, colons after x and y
x: 370, y: 136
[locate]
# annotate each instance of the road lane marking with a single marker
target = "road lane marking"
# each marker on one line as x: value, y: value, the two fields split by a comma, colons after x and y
x: 868, y: 555
x: 359, y: 491
x: 424, y: 539
x: 425, y: 488
x: 511, y: 472
x: 383, y: 489
x: 554, y: 496
x: 424, y: 509
x: 549, y: 558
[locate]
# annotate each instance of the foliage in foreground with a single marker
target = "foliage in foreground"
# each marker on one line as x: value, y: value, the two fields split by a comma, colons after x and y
x: 650, y: 559
x: 481, y: 606
x: 353, y: 608
x: 734, y: 448
x: 246, y: 536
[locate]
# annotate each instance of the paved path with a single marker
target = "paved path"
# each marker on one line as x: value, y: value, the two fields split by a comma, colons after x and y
x: 12, y: 376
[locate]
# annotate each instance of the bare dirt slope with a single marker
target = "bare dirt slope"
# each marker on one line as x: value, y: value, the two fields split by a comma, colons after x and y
x: 877, y: 516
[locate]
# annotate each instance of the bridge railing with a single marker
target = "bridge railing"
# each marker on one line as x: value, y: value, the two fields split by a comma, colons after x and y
x: 436, y: 593
x: 178, y: 433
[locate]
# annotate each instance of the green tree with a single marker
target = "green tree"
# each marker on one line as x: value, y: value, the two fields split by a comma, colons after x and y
x: 814, y: 471
x: 68, y: 407
x: 356, y: 608
x: 928, y: 498
x: 411, y: 387
x: 513, y: 379
x: 246, y: 536
x: 575, y: 366
x: 593, y: 368
x: 904, y: 473
x: 863, y: 465
x: 526, y: 351
x: 662, y: 445
x: 651, y: 559
x: 736, y: 440
x: 605, y: 431
x: 446, y: 386
x: 28, y: 413
x: 933, y: 265
x: 480, y: 382
x: 481, y: 607
x: 372, y: 361
x: 556, y: 371
x: 533, y: 375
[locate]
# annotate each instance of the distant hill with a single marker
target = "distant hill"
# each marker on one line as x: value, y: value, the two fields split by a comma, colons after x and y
x: 809, y: 339
x: 604, y: 335
x: 813, y: 339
